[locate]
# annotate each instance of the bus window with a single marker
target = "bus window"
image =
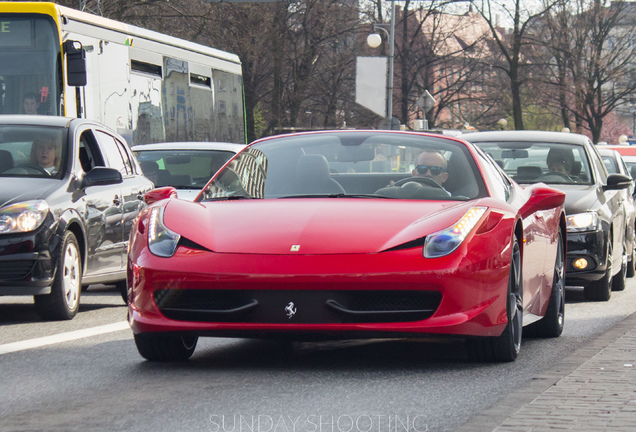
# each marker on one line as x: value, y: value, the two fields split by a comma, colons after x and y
x: 29, y: 65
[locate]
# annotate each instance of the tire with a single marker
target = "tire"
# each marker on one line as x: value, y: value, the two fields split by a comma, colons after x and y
x: 551, y: 325
x: 504, y: 348
x: 601, y: 290
x: 631, y: 265
x: 163, y: 348
x: 122, y: 287
x: 63, y: 301
x: 618, y: 281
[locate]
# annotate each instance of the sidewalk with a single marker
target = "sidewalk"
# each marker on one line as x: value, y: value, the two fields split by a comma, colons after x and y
x: 592, y: 390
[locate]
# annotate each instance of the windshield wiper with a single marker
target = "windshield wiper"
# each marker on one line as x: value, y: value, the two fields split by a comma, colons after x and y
x: 231, y: 198
x: 335, y: 195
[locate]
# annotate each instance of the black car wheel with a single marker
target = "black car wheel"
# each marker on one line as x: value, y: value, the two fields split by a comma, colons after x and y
x: 122, y: 287
x: 63, y: 301
x: 165, y: 347
x: 551, y: 325
x: 618, y: 281
x: 601, y: 290
x: 506, y: 347
x: 631, y: 265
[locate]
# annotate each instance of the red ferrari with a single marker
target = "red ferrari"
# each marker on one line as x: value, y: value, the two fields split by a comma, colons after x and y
x: 350, y: 234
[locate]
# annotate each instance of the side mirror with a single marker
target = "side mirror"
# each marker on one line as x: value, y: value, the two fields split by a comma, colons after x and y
x: 100, y: 176
x: 75, y: 63
x: 542, y: 198
x: 617, y: 181
x: 159, y: 194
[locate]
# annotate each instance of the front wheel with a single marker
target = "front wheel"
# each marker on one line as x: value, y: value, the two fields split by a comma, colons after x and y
x: 506, y: 347
x: 63, y: 301
x: 631, y: 263
x: 618, y: 281
x: 601, y: 290
x: 165, y: 348
x: 551, y: 325
x: 122, y: 287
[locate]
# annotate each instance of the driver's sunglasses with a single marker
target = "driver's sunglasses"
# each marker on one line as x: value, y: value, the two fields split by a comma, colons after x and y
x: 435, y: 170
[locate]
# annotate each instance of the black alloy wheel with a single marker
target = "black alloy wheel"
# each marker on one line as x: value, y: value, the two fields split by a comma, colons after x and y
x: 601, y: 290
x: 504, y: 348
x: 551, y: 325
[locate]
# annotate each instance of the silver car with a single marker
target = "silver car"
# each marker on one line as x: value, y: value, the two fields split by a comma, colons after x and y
x: 187, y: 166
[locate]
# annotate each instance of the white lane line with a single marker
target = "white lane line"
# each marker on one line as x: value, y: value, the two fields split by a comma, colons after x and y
x: 63, y: 337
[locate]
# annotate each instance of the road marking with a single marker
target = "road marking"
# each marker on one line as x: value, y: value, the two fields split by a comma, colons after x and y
x: 62, y: 337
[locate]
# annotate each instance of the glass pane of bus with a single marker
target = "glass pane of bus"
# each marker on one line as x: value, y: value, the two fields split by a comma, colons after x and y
x: 29, y: 65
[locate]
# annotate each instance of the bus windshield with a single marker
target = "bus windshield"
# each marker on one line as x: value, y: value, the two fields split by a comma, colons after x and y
x: 29, y: 65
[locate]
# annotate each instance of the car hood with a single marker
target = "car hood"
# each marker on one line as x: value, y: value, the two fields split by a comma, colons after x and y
x: 579, y: 198
x: 310, y: 226
x: 20, y: 189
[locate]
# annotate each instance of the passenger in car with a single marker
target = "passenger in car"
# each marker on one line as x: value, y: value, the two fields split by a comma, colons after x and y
x: 150, y: 170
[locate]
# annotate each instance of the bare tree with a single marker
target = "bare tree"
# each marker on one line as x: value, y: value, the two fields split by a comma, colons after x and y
x: 513, y: 46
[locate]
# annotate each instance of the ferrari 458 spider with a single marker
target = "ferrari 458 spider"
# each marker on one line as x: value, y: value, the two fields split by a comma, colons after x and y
x: 350, y: 234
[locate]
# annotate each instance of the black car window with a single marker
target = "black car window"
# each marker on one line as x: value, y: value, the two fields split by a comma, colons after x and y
x: 502, y: 186
x: 89, y: 154
x: 109, y: 146
x: 598, y: 162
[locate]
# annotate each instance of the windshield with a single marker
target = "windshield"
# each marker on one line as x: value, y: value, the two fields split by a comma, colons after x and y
x: 182, y: 169
x: 550, y: 163
x: 351, y: 164
x: 32, y: 151
x: 29, y: 65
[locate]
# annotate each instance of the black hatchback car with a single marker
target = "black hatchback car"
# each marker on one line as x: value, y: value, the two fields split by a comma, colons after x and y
x: 69, y: 191
x: 597, y: 229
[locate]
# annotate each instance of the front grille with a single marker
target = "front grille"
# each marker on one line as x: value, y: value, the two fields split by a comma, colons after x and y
x: 296, y: 306
x: 15, y: 270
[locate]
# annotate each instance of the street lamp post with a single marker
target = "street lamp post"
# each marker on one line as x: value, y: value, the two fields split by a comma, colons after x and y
x: 374, y: 41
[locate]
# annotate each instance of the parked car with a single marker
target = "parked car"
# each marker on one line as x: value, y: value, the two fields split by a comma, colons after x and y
x: 628, y: 153
x: 342, y: 234
x: 597, y: 228
x: 616, y: 165
x: 186, y: 166
x: 66, y: 225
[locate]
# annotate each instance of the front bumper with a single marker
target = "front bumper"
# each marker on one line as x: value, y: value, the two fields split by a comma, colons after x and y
x: 593, y: 247
x: 465, y: 292
x: 27, y: 263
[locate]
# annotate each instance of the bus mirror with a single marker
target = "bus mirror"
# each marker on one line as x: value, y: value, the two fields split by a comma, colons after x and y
x: 75, y: 63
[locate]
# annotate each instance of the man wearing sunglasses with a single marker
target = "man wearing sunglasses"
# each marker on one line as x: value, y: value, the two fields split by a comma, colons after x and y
x: 433, y: 165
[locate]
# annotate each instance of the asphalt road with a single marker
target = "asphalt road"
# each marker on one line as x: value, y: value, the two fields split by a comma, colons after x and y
x: 86, y: 375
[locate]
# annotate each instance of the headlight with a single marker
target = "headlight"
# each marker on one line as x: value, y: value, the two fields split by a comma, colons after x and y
x: 582, y: 222
x: 161, y: 241
x: 23, y: 217
x: 446, y: 241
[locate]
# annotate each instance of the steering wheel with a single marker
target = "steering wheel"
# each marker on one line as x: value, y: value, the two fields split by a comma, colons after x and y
x: 425, y: 181
x: 29, y: 166
x: 556, y: 174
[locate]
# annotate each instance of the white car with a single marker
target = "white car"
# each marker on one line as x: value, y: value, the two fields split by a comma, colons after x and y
x: 185, y: 165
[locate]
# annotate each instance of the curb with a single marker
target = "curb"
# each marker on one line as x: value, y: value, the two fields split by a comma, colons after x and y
x: 491, y: 418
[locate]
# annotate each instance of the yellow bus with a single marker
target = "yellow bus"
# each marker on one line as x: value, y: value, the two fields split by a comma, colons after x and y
x: 148, y: 86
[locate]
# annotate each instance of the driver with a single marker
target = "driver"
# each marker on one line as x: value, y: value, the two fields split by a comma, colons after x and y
x: 45, y: 153
x: 432, y: 165
x: 560, y: 161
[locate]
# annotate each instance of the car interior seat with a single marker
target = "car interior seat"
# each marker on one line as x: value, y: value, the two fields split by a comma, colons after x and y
x: 460, y: 180
x: 180, y: 179
x: 312, y: 176
x: 6, y: 160
x: 528, y: 173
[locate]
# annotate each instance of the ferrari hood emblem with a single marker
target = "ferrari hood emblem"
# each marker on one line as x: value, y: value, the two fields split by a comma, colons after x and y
x: 295, y: 248
x: 290, y: 309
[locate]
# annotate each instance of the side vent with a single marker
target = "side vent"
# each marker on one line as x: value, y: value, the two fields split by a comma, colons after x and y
x: 146, y: 68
